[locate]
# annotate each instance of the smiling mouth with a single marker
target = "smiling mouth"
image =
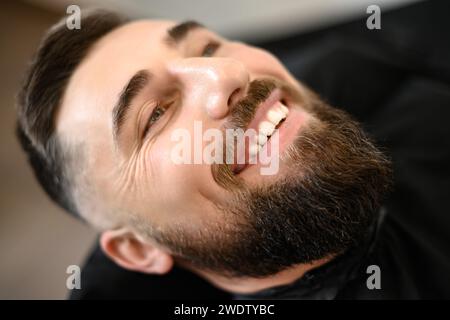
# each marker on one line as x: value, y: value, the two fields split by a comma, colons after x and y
x: 269, y: 117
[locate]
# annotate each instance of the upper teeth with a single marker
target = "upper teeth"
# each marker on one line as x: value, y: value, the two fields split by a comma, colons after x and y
x: 266, y: 128
x: 275, y: 114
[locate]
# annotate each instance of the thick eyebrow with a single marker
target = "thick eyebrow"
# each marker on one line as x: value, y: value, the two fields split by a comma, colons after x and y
x: 132, y: 89
x: 174, y: 36
x: 178, y: 33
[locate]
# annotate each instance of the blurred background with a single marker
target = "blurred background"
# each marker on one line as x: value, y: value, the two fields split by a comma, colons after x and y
x: 37, y: 240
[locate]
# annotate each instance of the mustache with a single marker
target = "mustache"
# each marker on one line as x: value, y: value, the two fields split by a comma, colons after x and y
x: 241, y: 114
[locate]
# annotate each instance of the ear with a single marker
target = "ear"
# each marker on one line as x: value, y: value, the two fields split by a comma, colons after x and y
x: 131, y: 252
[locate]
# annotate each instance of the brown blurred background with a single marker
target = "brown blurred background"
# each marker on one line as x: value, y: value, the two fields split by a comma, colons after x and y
x: 37, y: 240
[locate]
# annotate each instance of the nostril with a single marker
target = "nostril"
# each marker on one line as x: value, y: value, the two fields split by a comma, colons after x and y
x: 233, y: 97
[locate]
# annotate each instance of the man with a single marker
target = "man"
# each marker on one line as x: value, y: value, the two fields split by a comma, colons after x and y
x: 97, y: 115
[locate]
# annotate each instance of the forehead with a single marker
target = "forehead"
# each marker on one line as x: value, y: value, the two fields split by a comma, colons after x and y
x: 96, y: 83
x: 125, y: 49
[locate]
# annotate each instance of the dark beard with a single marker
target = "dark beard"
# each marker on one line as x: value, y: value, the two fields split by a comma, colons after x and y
x: 337, y: 181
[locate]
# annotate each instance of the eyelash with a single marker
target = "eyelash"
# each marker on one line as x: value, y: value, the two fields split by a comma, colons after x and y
x: 212, y: 45
x: 154, y: 116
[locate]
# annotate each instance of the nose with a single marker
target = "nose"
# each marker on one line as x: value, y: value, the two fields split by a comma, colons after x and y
x: 213, y: 83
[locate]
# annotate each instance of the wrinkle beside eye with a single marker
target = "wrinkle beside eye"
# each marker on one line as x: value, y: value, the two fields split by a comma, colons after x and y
x: 133, y: 172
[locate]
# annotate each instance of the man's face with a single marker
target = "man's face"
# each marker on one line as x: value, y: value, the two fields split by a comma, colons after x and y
x: 141, y: 83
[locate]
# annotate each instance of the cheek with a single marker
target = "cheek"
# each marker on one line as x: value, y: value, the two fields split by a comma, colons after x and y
x: 182, y: 188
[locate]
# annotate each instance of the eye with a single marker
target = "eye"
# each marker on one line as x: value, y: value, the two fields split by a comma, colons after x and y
x: 157, y: 113
x: 210, y: 49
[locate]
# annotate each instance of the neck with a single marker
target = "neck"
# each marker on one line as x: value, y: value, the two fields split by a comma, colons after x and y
x: 248, y: 285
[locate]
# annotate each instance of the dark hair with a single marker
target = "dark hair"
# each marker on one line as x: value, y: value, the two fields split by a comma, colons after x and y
x: 60, y: 52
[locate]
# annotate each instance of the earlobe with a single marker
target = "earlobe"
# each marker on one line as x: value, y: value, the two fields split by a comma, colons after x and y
x: 133, y: 253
